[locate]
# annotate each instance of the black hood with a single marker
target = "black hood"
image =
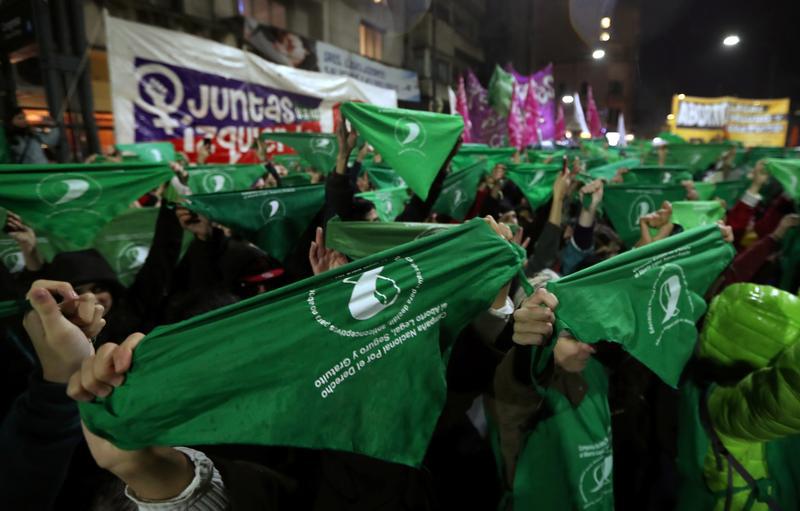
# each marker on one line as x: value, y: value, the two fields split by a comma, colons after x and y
x: 83, y: 266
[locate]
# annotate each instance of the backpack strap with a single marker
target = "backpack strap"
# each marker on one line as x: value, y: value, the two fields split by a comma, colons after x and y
x: 721, y: 452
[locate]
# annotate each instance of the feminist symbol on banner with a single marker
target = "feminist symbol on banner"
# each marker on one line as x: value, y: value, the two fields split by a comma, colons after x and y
x: 410, y: 135
x: 273, y: 209
x: 157, y: 84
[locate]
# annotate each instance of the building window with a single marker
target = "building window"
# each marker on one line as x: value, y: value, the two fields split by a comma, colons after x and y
x: 266, y: 12
x: 370, y: 41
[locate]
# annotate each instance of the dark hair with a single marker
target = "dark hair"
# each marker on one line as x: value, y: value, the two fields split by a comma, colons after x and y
x: 197, y: 302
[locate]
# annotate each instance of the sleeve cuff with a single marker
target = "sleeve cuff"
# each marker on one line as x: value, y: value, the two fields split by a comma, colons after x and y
x: 207, y: 487
x: 751, y: 199
x: 503, y: 312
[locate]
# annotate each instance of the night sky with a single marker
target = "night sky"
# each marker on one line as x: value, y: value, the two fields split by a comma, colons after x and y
x: 681, y: 52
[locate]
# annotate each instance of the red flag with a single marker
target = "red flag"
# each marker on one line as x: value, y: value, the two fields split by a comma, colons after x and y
x: 561, y: 125
x: 516, y: 126
x: 463, y: 109
x: 532, y: 118
x: 595, y: 126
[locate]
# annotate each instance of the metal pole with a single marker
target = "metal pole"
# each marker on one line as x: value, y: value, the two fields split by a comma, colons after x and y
x: 85, y: 97
x: 433, y: 55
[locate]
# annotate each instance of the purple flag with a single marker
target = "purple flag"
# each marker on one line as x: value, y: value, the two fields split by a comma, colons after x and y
x: 561, y: 124
x: 463, y: 109
x: 593, y: 117
x: 516, y: 125
x: 488, y: 127
x: 543, y: 86
x: 531, y: 118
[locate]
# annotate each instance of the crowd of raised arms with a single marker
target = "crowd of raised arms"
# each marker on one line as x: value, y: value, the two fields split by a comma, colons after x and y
x: 576, y: 327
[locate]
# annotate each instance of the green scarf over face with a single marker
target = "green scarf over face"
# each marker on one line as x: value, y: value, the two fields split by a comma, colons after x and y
x: 413, y: 143
x: 535, y: 180
x: 151, y: 152
x: 351, y: 359
x: 691, y: 214
x: 458, y: 192
x: 360, y: 239
x: 388, y: 202
x: 647, y: 299
x: 787, y: 172
x: 625, y: 204
x: 272, y: 218
x: 318, y: 149
x: 69, y: 204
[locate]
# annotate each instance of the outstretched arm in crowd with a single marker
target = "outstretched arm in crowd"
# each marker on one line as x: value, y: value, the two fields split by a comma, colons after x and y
x: 25, y: 237
x: 154, y: 475
x: 322, y: 258
x: 417, y: 209
x: 338, y: 189
x: 581, y: 243
x: 42, y: 428
x: 660, y: 220
x: 545, y: 251
x: 741, y: 214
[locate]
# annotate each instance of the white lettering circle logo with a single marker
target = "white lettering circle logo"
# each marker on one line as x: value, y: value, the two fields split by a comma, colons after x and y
x: 272, y: 209
x: 323, y: 145
x: 640, y: 206
x: 534, y: 179
x: 670, y: 303
x: 410, y: 134
x: 217, y: 182
x: 367, y: 301
x: 372, y: 293
x: 69, y: 189
x: 12, y: 259
x: 131, y: 257
x: 596, y: 480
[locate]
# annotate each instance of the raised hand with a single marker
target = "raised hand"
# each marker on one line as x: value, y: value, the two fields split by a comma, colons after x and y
x: 322, y: 258
x: 196, y: 224
x: 533, y: 321
x: 787, y: 222
x: 570, y: 354
x: 61, y: 333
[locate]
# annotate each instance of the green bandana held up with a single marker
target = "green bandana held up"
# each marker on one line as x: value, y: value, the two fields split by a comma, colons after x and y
x: 326, y: 363
x: 653, y: 175
x: 11, y: 256
x: 696, y: 157
x: 223, y: 178
x: 787, y: 172
x: 389, y: 202
x: 318, y: 149
x: 730, y: 191
x: 535, y: 180
x: 691, y: 214
x: 459, y: 191
x: 790, y: 261
x: 412, y: 142
x: 608, y: 171
x: 273, y: 218
x: 360, y: 239
x: 295, y: 179
x: 152, y: 152
x: 647, y: 299
x: 470, y: 154
x: 383, y: 178
x: 69, y: 204
x: 625, y: 204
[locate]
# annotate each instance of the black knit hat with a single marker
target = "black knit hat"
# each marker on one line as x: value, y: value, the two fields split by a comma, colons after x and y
x: 84, y: 266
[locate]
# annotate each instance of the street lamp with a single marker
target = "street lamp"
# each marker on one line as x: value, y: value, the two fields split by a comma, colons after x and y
x: 598, y: 54
x: 567, y: 99
x: 605, y: 36
x: 731, y: 40
x: 605, y: 22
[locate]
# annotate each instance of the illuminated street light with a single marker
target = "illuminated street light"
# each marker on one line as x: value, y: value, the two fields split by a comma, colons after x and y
x: 567, y: 99
x: 731, y: 40
x: 671, y: 117
x: 681, y: 96
x: 605, y: 36
x: 605, y: 22
x: 598, y: 54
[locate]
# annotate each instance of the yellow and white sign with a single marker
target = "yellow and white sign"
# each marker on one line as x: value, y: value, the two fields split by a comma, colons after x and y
x: 753, y: 122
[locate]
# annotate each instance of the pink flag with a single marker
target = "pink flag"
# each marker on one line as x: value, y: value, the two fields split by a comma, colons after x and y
x: 516, y: 126
x: 532, y: 118
x: 561, y: 125
x: 595, y: 126
x: 463, y: 109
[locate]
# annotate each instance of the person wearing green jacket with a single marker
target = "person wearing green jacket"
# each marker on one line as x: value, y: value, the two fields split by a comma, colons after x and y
x: 739, y: 416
